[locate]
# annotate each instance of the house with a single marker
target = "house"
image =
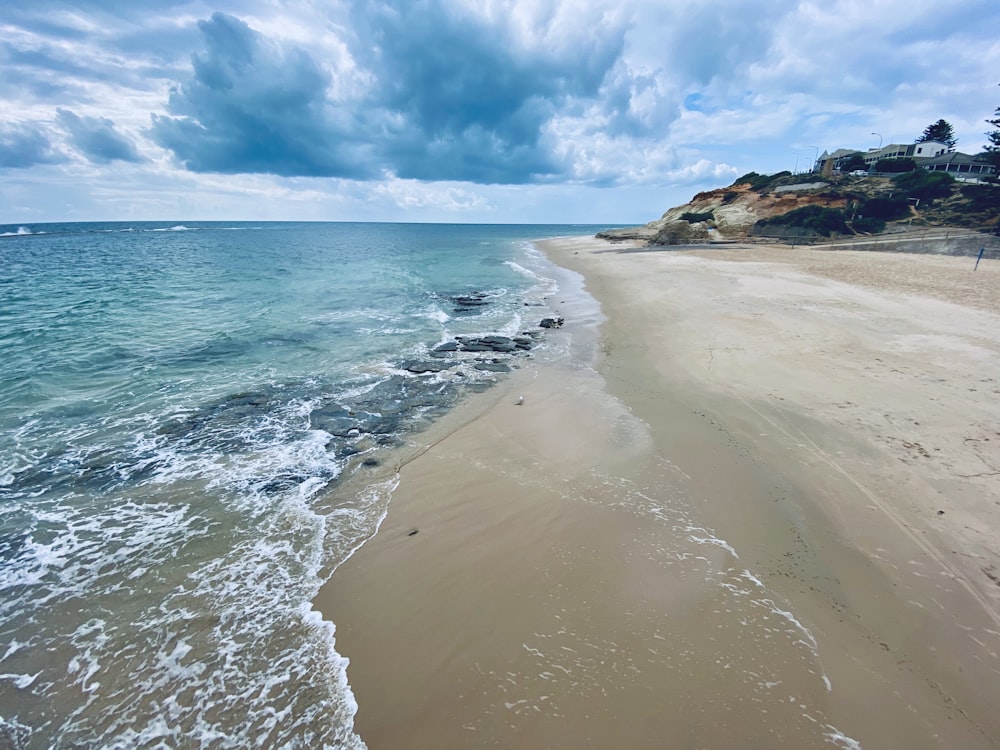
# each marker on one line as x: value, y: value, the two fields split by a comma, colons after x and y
x: 827, y: 162
x: 957, y: 163
x: 923, y: 150
x: 928, y: 149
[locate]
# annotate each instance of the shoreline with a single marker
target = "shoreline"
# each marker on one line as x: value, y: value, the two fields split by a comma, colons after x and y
x: 719, y: 488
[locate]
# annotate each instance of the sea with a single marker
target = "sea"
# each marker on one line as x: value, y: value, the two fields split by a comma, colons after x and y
x: 179, y: 402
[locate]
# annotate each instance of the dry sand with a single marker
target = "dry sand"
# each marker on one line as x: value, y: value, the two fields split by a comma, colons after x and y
x: 763, y: 515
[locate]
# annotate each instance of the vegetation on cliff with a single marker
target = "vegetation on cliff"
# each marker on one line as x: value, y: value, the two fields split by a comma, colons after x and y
x: 853, y: 202
x: 785, y: 206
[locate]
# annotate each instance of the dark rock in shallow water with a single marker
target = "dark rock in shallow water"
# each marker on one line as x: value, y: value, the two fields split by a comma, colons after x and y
x: 492, y: 367
x: 225, y: 411
x: 499, y: 343
x: 491, y: 343
x: 474, y: 345
x: 465, y: 303
x: 448, y: 346
x: 282, y: 483
x: 342, y: 423
x: 523, y: 342
x: 419, y: 368
x: 551, y: 323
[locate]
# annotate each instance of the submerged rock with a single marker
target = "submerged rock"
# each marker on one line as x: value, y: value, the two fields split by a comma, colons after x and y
x: 420, y: 367
x: 492, y: 367
x: 465, y: 303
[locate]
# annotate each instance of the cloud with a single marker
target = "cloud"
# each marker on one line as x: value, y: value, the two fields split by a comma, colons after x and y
x: 465, y: 109
x: 256, y: 105
x: 97, y: 139
x: 468, y: 92
x: 25, y: 145
x: 437, y: 92
x: 72, y: 59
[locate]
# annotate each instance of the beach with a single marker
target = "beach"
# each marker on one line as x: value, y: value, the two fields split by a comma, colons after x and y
x: 753, y: 506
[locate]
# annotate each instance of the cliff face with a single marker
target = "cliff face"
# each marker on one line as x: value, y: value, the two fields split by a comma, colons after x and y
x: 734, y: 211
x: 858, y: 205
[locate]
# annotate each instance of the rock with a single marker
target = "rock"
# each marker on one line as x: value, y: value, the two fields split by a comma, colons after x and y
x: 492, y: 343
x: 499, y: 343
x: 492, y: 367
x: 449, y: 346
x: 420, y: 368
x: 551, y: 323
x: 475, y: 346
x: 469, y: 302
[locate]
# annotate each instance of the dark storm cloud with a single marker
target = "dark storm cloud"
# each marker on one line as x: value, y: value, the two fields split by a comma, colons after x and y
x: 450, y: 98
x: 25, y: 145
x: 254, y: 105
x: 471, y: 100
x: 97, y: 139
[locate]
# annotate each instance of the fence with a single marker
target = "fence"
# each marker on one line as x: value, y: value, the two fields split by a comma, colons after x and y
x: 935, y: 241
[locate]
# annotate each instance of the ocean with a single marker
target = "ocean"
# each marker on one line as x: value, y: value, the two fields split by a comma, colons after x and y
x: 178, y: 404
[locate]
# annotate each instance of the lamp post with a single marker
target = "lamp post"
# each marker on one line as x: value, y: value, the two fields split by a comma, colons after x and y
x: 871, y: 168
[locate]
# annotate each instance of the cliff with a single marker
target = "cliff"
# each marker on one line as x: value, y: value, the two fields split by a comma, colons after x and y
x: 784, y: 206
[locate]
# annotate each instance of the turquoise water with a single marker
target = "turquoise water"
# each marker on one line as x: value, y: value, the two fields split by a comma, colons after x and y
x: 176, y: 403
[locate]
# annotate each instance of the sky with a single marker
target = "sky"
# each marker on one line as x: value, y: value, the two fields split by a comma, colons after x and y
x: 473, y: 111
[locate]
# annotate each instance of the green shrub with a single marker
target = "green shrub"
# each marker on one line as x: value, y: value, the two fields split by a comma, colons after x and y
x: 761, y: 181
x: 906, y: 164
x: 694, y: 217
x: 886, y: 209
x: 853, y: 163
x: 927, y: 186
x: 982, y: 197
x: 868, y: 224
x: 748, y: 179
x: 812, y: 219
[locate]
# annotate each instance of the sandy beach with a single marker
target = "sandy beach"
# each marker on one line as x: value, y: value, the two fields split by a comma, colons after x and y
x: 754, y: 505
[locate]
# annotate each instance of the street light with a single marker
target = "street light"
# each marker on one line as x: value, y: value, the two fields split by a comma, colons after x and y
x: 871, y: 168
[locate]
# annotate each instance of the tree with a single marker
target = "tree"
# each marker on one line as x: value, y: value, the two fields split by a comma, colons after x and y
x: 992, y: 152
x: 941, y: 131
x: 902, y: 164
x: 853, y: 163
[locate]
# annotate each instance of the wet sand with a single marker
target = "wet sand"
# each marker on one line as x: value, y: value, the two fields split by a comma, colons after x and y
x: 760, y: 511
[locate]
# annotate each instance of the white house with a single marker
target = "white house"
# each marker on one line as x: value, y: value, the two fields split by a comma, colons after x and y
x: 928, y: 149
x: 924, y: 150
